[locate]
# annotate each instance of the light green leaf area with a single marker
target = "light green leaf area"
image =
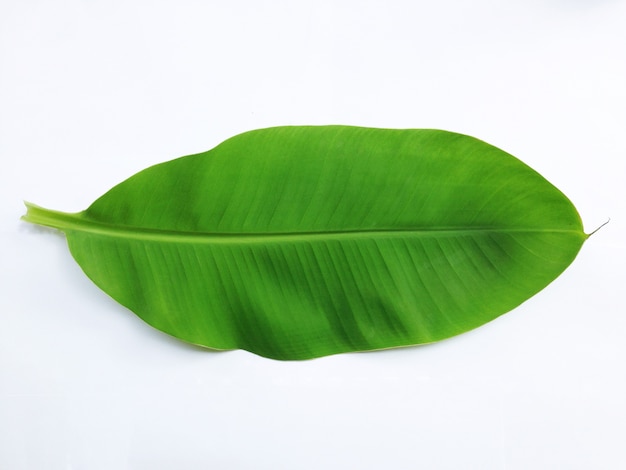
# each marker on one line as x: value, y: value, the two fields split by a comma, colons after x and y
x: 301, y: 242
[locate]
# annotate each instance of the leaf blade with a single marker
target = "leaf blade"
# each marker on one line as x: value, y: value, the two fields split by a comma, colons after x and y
x: 301, y: 253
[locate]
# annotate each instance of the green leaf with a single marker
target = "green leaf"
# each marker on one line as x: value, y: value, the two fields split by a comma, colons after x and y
x: 300, y: 242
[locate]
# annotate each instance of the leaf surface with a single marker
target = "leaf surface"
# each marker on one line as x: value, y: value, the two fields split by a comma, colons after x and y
x: 300, y: 242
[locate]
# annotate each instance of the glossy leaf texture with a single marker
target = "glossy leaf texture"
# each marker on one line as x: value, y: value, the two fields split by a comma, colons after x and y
x: 304, y: 241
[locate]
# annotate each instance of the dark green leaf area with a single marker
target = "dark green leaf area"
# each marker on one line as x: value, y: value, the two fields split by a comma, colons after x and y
x: 301, y: 242
x: 299, y: 299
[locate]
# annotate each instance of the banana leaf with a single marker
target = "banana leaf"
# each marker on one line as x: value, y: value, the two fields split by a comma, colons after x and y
x: 304, y: 241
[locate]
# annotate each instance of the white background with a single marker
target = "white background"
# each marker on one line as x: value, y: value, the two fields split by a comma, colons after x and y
x: 93, y: 91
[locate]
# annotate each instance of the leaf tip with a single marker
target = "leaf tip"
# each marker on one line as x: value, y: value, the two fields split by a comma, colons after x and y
x: 589, y: 234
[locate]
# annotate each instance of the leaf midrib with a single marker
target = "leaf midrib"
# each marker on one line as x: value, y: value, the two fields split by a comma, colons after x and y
x: 76, y: 221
